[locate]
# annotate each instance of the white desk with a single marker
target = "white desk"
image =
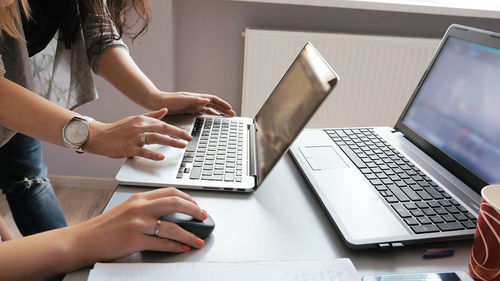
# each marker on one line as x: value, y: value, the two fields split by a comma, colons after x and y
x: 282, y: 220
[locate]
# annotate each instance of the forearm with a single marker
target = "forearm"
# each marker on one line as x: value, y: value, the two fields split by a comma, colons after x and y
x: 40, y: 256
x: 26, y: 112
x: 118, y: 68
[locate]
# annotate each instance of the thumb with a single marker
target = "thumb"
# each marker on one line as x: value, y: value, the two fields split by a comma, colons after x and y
x: 158, y: 114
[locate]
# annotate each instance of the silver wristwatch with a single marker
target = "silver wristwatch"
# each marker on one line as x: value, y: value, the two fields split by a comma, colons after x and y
x: 77, y: 132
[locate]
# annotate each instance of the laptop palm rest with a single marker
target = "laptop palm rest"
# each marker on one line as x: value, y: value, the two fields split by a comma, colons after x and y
x: 323, y: 158
x: 357, y: 207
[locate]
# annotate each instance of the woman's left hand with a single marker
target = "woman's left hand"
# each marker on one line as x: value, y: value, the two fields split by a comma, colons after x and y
x: 191, y: 103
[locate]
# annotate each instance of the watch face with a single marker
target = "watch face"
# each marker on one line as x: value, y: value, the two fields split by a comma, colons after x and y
x: 76, y: 132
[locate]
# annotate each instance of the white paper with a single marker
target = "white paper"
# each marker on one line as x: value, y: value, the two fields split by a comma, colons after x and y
x: 320, y: 270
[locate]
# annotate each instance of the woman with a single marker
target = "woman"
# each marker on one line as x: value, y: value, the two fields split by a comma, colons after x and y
x: 47, y: 52
x: 50, y: 47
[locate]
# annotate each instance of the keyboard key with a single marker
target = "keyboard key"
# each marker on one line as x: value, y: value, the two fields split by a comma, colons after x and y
x: 452, y: 210
x: 401, y: 210
x: 411, y: 221
x: 461, y: 217
x: 433, y: 204
x: 470, y: 216
x: 410, y: 206
x: 418, y: 229
x: 416, y: 187
x: 391, y: 199
x: 212, y: 178
x: 434, y: 193
x: 422, y: 205
x: 429, y: 212
x: 417, y: 213
x: 450, y: 226
x: 424, y: 195
x: 354, y: 158
x: 398, y: 193
x: 229, y: 177
x: 441, y: 211
x: 179, y: 175
x: 195, y: 173
x: 445, y: 203
x: 449, y: 218
x: 469, y: 224
x: 437, y: 219
x: 424, y: 220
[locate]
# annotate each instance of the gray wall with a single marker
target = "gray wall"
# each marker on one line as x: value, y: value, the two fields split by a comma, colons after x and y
x: 196, y: 45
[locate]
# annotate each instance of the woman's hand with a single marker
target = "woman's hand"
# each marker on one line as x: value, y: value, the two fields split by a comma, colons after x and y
x: 126, y: 138
x: 191, y: 103
x: 131, y: 226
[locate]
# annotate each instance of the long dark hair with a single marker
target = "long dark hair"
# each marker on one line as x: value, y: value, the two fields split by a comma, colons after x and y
x: 115, y: 18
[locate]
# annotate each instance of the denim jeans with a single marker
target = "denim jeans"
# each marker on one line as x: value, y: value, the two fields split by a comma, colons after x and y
x: 24, y: 181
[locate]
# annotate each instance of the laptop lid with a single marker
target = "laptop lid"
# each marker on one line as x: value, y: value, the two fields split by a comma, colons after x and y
x: 305, y: 85
x: 453, y: 114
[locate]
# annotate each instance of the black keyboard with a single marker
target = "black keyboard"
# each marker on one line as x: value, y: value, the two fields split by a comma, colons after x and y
x: 417, y: 199
x: 216, y: 151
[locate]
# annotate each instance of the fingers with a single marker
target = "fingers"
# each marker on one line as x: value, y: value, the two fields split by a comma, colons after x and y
x: 221, y: 105
x: 164, y: 140
x: 146, y: 153
x: 153, y: 243
x: 167, y: 205
x: 166, y: 129
x: 165, y: 192
x: 209, y: 111
x: 174, y: 232
x: 158, y: 114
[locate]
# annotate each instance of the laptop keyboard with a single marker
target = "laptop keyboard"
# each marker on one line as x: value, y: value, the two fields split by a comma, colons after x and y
x: 216, y: 151
x: 417, y: 199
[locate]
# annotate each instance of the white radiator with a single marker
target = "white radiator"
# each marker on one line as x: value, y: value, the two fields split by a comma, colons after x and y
x: 377, y: 73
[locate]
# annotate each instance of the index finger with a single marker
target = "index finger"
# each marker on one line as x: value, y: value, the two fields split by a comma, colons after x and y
x: 165, y: 192
x: 172, y: 204
x: 167, y: 129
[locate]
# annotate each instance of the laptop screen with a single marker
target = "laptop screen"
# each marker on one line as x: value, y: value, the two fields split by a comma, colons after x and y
x: 456, y: 108
x: 292, y: 103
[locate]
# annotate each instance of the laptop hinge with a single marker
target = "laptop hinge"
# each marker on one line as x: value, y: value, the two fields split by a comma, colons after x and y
x: 252, y: 151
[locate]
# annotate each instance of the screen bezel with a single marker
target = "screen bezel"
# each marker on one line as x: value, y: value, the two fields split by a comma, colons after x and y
x: 482, y: 37
x: 331, y: 78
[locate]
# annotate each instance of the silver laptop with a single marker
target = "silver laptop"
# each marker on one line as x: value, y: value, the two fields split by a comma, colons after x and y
x: 236, y: 154
x: 419, y: 181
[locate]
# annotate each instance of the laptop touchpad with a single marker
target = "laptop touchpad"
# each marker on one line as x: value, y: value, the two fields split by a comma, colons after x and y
x: 323, y: 158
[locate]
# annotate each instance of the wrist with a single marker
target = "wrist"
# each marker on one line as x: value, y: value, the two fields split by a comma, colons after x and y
x: 96, y: 130
x: 155, y: 99
x: 73, y: 251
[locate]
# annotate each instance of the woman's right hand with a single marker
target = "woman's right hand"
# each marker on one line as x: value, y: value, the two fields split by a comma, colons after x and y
x: 124, y: 138
x: 131, y: 226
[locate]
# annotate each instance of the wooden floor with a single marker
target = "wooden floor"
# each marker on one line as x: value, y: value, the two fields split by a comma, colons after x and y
x: 80, y: 197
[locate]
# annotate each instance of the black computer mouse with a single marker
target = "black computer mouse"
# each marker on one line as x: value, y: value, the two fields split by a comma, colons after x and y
x: 201, y: 229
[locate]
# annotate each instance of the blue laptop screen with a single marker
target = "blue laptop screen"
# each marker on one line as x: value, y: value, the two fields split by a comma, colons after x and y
x: 457, y: 108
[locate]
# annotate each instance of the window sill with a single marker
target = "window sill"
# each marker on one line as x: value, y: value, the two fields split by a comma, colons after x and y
x: 485, y: 9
